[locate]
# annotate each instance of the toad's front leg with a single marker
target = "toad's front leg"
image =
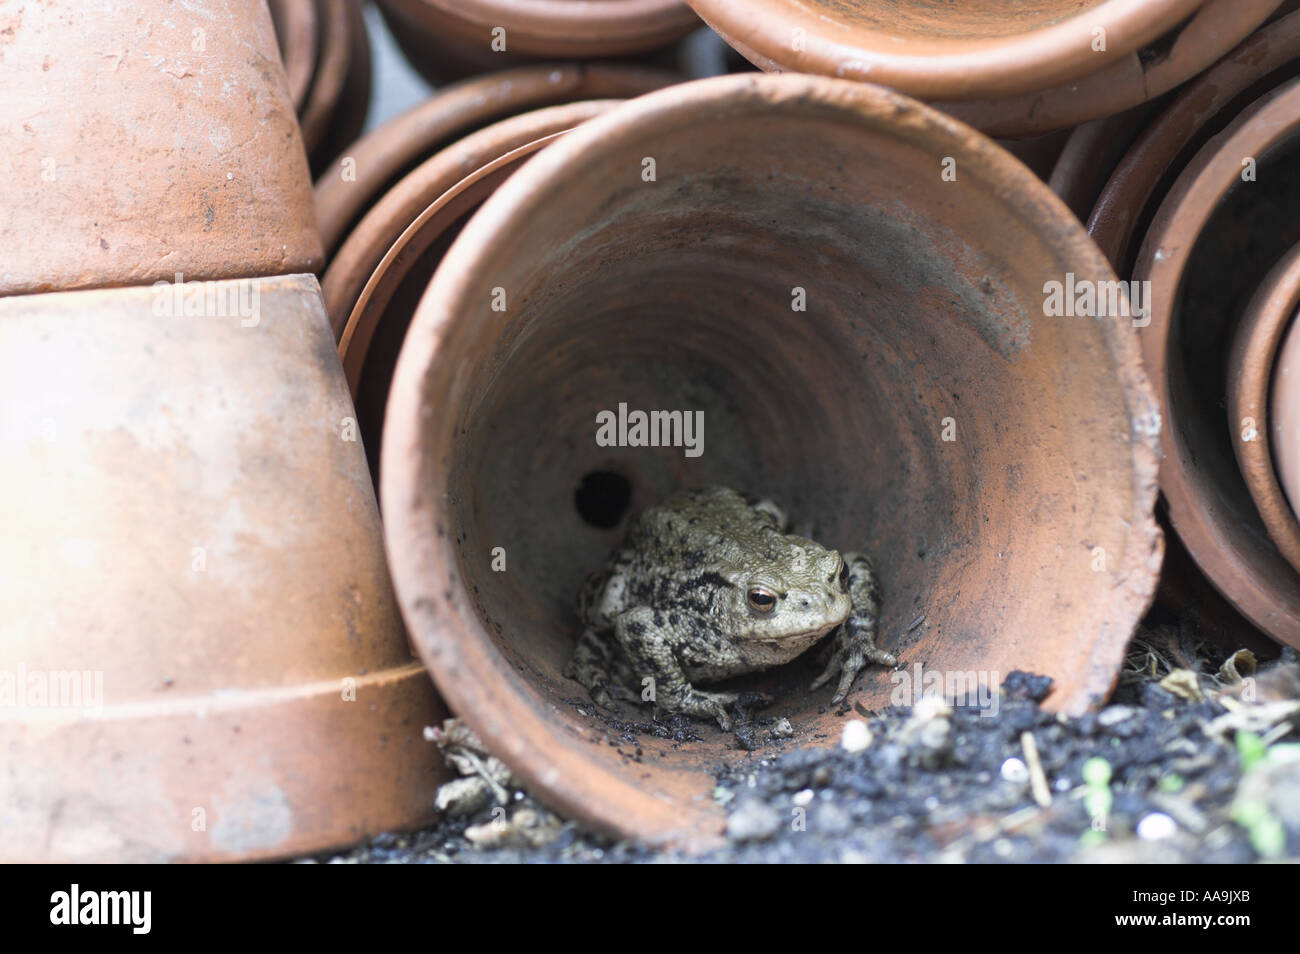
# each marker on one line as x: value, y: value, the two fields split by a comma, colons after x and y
x: 855, y: 639
x: 649, y: 649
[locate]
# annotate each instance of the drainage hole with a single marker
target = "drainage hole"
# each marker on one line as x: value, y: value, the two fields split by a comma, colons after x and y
x: 602, y: 498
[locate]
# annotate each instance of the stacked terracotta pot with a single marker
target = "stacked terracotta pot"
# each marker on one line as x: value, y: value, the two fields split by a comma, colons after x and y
x: 1194, y: 199
x: 200, y: 653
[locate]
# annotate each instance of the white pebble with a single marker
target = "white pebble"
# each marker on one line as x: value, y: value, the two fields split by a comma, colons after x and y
x: 1014, y: 770
x: 804, y: 797
x: 931, y: 707
x: 856, y: 736
x: 1156, y: 826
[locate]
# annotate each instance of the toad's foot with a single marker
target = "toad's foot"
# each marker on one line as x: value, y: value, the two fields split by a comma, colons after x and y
x: 696, y: 702
x: 855, y: 640
x: 852, y: 651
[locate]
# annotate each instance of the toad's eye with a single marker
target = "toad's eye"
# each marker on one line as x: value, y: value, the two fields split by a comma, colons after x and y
x: 761, y: 601
x: 844, y: 573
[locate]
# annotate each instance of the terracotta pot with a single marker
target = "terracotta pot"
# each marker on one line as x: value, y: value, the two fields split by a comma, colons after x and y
x: 127, y: 163
x: 1208, y: 248
x: 677, y: 293
x: 450, y: 38
x: 192, y: 544
x: 296, y: 30
x: 1250, y: 377
x: 374, y: 163
x: 1130, y: 196
x: 1123, y: 81
x: 978, y: 50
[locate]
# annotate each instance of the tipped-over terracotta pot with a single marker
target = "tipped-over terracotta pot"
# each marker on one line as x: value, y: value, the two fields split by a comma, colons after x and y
x: 1254, y: 377
x: 658, y: 256
x: 143, y: 140
x: 200, y: 653
x: 974, y: 50
x: 1229, y: 218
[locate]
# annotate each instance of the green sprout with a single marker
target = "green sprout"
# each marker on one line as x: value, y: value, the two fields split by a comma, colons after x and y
x: 1097, y: 800
x: 1266, y: 831
x: 1251, y: 749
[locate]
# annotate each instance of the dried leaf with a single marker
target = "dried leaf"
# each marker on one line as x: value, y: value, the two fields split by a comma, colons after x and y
x: 1184, y: 684
x: 1236, y: 667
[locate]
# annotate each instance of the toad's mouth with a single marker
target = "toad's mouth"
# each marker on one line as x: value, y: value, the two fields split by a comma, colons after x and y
x: 809, y: 635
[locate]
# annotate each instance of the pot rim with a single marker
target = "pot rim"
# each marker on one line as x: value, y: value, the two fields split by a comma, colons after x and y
x: 477, y: 683
x: 943, y: 67
x: 1199, y: 190
x: 1209, y: 34
x: 1264, y: 325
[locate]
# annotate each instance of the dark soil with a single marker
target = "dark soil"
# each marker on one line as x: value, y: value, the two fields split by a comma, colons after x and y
x: 954, y: 787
